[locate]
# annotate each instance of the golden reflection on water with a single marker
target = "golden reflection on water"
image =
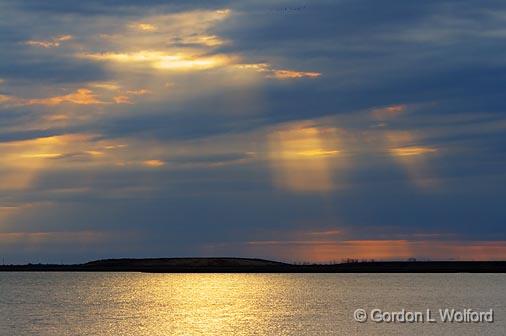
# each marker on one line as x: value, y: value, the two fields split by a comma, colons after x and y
x: 209, y: 304
x: 136, y: 304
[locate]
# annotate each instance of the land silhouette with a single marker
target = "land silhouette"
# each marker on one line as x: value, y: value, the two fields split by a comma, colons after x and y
x: 247, y: 265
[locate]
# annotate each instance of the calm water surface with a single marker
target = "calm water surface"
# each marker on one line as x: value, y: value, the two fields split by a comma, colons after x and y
x: 239, y: 304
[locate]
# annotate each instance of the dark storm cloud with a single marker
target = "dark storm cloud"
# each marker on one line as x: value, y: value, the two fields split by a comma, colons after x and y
x: 370, y: 55
x: 164, y: 125
x: 376, y: 53
x: 110, y: 7
x: 34, y: 65
x: 13, y: 116
x: 29, y: 134
x: 32, y: 69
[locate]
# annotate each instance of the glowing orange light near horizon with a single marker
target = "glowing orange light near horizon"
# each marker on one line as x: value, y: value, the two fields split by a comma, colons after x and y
x: 324, y: 251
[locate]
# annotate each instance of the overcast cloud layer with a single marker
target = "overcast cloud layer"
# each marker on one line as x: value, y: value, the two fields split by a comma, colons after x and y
x: 291, y: 130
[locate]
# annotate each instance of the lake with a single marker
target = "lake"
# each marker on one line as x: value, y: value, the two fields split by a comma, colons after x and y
x: 243, y: 304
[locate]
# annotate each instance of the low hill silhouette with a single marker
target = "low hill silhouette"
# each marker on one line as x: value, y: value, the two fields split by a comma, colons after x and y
x: 184, y: 262
x: 247, y: 265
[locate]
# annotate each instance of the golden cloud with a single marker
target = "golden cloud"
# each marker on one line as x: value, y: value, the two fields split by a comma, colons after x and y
x: 80, y: 96
x: 163, y: 61
x: 412, y: 150
x: 146, y: 27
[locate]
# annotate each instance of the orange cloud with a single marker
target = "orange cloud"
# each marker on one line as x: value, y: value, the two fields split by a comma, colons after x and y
x: 411, y: 150
x: 36, y: 238
x: 278, y: 73
x: 291, y: 74
x: 5, y: 99
x: 52, y: 43
x: 153, y: 163
x: 81, y: 96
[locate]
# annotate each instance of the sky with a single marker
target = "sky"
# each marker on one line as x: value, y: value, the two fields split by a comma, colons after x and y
x: 306, y: 131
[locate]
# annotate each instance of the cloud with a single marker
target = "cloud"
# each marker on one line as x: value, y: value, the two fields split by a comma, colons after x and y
x: 163, y: 61
x: 380, y: 122
x: 290, y: 74
x: 276, y: 73
x: 119, y: 8
x: 146, y: 27
x: 154, y: 163
x: 52, y: 43
x: 81, y: 96
x: 388, y: 112
x: 122, y: 100
x: 412, y: 150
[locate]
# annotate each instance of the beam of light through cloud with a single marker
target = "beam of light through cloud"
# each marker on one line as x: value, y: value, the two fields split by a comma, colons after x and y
x: 303, y: 157
x: 23, y: 160
x: 188, y: 39
x: 415, y: 159
x: 189, y: 45
x: 354, y: 133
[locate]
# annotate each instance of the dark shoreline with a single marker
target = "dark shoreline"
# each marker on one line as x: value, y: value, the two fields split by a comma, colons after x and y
x: 244, y: 265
